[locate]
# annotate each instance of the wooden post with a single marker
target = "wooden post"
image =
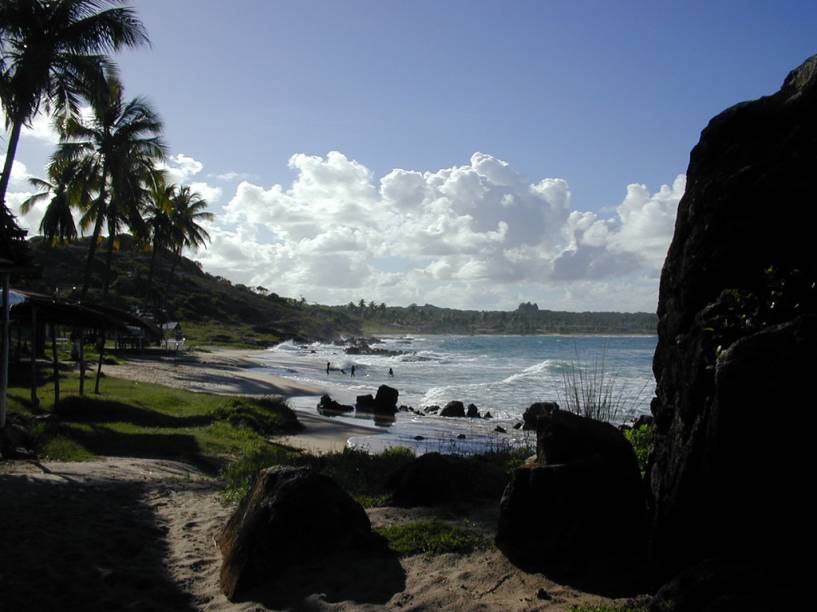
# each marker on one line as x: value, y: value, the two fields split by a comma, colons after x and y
x: 82, y: 363
x: 4, y: 366
x: 99, y: 367
x: 56, y: 363
x: 35, y: 402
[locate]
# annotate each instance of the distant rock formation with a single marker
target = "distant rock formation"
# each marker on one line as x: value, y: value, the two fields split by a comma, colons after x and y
x: 737, y: 348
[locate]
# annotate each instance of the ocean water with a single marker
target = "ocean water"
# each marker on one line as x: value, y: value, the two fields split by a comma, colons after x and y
x: 500, y: 374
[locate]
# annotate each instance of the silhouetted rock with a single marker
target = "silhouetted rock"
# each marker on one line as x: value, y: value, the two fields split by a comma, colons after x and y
x: 728, y: 586
x: 291, y: 516
x: 365, y: 403
x: 473, y: 412
x: 453, y: 409
x: 736, y: 344
x: 487, y: 415
x: 386, y: 400
x: 329, y: 407
x: 533, y: 411
x: 549, y: 511
x: 433, y: 479
x: 431, y: 409
x: 500, y: 429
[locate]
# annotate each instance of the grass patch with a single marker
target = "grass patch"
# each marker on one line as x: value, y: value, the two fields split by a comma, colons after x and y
x: 637, y: 604
x: 360, y: 474
x: 129, y: 418
x: 430, y: 537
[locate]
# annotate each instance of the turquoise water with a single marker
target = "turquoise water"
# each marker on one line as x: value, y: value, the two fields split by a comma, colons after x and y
x: 500, y: 374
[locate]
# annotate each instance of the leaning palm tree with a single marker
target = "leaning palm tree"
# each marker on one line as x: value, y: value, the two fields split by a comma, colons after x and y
x: 120, y: 146
x: 49, y: 51
x: 186, y: 214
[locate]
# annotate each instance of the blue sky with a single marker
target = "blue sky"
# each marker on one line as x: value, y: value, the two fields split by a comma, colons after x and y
x: 601, y: 95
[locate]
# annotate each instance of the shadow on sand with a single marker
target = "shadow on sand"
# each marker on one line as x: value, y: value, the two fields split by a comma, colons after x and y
x: 75, y: 546
x: 361, y: 577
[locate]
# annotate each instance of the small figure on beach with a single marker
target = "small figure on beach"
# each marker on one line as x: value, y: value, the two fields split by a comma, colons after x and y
x: 327, y: 366
x: 391, y: 372
x: 353, y: 371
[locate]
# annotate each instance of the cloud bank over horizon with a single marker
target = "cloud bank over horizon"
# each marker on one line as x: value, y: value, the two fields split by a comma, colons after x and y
x: 477, y: 236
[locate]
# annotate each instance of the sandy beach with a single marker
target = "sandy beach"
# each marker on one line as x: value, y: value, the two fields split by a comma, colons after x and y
x: 133, y: 533
x: 232, y: 372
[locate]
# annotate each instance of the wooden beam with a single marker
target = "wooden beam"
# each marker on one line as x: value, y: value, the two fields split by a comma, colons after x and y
x: 4, y: 361
x: 56, y: 361
x: 35, y: 401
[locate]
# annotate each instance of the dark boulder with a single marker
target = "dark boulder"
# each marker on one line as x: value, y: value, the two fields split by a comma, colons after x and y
x: 383, y: 404
x: 473, y: 412
x: 329, y: 407
x: 431, y: 409
x: 530, y: 416
x: 736, y: 345
x: 292, y: 516
x: 729, y: 586
x: 550, y: 511
x: 434, y: 479
x: 453, y: 409
x: 365, y: 403
x: 386, y: 400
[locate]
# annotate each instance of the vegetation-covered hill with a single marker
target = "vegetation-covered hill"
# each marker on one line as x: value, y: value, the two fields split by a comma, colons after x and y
x: 214, y: 310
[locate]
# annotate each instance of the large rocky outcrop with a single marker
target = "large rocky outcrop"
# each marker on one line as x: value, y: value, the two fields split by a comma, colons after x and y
x: 582, y: 497
x: 737, y: 346
x: 292, y: 516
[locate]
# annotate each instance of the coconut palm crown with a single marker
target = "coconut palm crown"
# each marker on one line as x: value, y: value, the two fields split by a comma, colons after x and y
x: 49, y: 51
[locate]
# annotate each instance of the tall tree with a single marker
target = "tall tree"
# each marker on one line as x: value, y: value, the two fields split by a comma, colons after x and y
x: 188, y: 211
x: 160, y: 226
x: 49, y: 51
x: 68, y: 191
x: 120, y: 145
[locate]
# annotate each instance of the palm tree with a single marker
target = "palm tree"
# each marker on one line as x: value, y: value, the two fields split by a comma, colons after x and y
x: 49, y: 51
x: 159, y: 209
x: 68, y: 190
x: 120, y: 146
x: 186, y: 213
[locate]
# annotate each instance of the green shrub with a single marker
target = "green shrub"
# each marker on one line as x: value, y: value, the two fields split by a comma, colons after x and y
x: 265, y: 416
x: 641, y: 438
x: 431, y: 537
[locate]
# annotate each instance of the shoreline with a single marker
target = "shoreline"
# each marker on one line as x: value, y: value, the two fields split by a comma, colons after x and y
x: 235, y: 372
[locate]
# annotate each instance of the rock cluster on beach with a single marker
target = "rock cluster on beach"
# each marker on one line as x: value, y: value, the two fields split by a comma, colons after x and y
x: 737, y: 346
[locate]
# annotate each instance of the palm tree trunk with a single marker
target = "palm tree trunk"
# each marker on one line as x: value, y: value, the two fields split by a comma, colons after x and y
x: 100, y: 217
x: 176, y: 261
x: 152, y: 269
x: 108, y: 257
x: 11, y: 151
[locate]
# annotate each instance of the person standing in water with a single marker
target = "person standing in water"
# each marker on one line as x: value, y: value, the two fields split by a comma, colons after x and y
x: 391, y: 372
x: 353, y: 371
x: 327, y: 367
